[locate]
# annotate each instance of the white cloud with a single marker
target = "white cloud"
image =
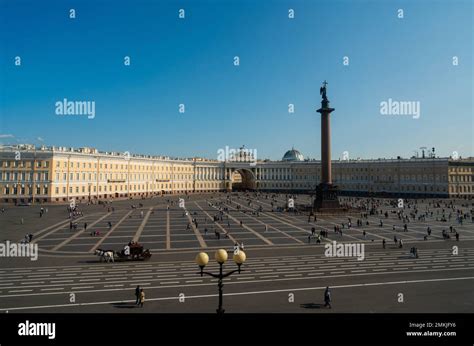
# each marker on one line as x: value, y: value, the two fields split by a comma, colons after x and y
x: 40, y: 139
x: 6, y: 136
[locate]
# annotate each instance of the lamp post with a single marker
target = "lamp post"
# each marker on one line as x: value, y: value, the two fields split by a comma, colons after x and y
x: 202, y: 259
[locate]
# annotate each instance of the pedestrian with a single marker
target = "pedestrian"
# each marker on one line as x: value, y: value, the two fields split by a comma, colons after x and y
x: 383, y: 243
x: 137, y: 295
x: 327, y: 298
x: 142, y: 297
x: 205, y: 231
x: 85, y: 226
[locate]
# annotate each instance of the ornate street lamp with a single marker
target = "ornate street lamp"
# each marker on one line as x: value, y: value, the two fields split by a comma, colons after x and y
x: 202, y: 259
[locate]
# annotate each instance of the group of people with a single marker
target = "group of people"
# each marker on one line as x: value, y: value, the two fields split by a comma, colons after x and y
x: 140, y: 296
x: 27, y: 239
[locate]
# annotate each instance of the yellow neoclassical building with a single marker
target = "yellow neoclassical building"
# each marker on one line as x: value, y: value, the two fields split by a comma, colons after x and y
x: 58, y: 174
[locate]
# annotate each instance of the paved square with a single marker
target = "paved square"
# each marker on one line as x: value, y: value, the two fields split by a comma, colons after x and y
x: 283, y: 257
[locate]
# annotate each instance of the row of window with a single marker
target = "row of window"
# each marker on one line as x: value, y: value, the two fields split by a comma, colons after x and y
x: 116, y: 188
x: 460, y: 178
x: 25, y: 190
x: 24, y: 176
x: 91, y: 165
x: 24, y: 164
x: 75, y: 176
x: 461, y: 189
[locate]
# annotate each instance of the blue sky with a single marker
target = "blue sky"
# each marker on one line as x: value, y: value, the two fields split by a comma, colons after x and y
x: 282, y: 61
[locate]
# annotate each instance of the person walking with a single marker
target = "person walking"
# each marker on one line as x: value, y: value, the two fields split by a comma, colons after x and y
x: 327, y: 298
x: 383, y: 243
x: 142, y: 297
x: 137, y: 295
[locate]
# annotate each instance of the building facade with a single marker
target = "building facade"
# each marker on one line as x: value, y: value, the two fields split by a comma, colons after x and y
x: 52, y: 174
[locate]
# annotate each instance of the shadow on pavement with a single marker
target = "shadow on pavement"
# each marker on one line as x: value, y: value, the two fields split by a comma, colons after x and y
x: 312, y: 306
x: 124, y: 305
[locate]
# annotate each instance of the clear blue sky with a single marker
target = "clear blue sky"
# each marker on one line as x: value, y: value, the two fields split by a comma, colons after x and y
x: 282, y: 61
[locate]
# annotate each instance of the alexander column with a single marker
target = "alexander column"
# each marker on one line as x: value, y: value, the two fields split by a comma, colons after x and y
x: 326, y: 192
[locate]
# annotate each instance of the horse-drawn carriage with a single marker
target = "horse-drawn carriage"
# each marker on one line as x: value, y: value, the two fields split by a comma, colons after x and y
x: 131, y: 252
x: 134, y: 252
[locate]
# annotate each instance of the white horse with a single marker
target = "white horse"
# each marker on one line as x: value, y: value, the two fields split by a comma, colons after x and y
x: 107, y: 255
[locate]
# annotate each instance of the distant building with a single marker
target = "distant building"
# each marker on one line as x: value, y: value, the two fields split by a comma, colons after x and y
x: 292, y: 156
x: 58, y: 174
